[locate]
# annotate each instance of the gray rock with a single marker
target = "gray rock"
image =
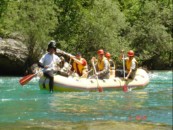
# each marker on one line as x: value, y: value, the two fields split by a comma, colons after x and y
x: 13, y: 56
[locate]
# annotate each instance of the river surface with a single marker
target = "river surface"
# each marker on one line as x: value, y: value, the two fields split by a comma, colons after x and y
x: 28, y: 107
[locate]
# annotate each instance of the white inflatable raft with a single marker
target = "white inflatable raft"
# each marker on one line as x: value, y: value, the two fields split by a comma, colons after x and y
x: 68, y: 84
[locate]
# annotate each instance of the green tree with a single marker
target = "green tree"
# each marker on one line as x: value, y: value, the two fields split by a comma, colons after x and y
x: 150, y: 35
x: 3, y: 6
x: 3, y: 10
x: 87, y: 26
x: 33, y: 20
x: 132, y: 9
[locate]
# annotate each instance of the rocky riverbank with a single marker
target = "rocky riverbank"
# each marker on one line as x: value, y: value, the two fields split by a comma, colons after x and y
x: 13, y: 57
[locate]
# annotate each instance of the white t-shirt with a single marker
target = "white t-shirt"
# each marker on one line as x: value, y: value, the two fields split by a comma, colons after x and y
x: 50, y: 60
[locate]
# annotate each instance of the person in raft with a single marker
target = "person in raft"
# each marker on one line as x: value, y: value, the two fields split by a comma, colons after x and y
x: 49, y: 62
x: 111, y: 64
x: 130, y: 63
x: 79, y: 66
x: 102, y: 65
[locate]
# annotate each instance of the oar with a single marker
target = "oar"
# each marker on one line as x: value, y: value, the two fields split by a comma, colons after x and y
x: 98, y: 86
x: 125, y: 88
x: 63, y: 52
x: 26, y: 79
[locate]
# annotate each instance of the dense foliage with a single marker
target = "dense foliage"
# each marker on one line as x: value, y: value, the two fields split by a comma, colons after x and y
x: 88, y: 25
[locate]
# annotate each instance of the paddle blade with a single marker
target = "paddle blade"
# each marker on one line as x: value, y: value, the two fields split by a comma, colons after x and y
x: 100, y: 89
x: 125, y: 88
x: 26, y: 79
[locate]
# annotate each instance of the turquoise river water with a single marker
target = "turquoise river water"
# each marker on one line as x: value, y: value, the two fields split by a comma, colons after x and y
x: 28, y: 107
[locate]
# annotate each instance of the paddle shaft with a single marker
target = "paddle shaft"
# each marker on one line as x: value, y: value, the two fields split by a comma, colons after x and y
x: 125, y: 88
x: 98, y: 86
x: 124, y: 65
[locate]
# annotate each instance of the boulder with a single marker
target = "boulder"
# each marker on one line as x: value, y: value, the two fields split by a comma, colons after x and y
x: 13, y: 57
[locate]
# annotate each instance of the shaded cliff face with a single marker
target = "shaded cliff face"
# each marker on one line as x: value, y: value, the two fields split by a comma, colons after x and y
x: 13, y: 56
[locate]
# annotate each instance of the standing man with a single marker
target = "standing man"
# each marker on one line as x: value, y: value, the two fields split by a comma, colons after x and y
x: 49, y: 63
x: 79, y: 65
x: 102, y: 65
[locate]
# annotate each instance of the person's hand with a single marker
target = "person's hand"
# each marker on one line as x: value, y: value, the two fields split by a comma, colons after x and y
x: 93, y: 59
x: 96, y: 74
x: 46, y: 66
x: 126, y: 78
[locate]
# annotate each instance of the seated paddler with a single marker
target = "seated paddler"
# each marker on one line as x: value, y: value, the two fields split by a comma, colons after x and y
x: 130, y: 64
x: 79, y: 66
x: 102, y: 65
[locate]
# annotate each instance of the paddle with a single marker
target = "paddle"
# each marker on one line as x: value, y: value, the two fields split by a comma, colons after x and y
x: 63, y: 52
x: 26, y: 79
x: 98, y: 86
x: 125, y: 88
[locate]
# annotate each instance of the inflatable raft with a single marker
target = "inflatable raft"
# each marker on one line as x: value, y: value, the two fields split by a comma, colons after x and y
x: 68, y: 84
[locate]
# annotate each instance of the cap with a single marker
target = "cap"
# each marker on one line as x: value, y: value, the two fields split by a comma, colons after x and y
x: 78, y: 54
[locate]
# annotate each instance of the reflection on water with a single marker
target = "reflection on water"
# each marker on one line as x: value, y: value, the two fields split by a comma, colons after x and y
x: 105, y: 106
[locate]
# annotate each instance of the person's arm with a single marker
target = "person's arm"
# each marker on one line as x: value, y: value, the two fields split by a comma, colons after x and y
x: 40, y: 65
x: 85, y: 72
x: 82, y: 62
x: 129, y: 73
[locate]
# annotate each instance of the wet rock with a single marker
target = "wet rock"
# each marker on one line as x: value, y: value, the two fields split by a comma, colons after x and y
x: 13, y: 56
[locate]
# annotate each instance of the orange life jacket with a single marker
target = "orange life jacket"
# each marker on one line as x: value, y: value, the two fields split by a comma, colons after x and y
x: 78, y: 67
